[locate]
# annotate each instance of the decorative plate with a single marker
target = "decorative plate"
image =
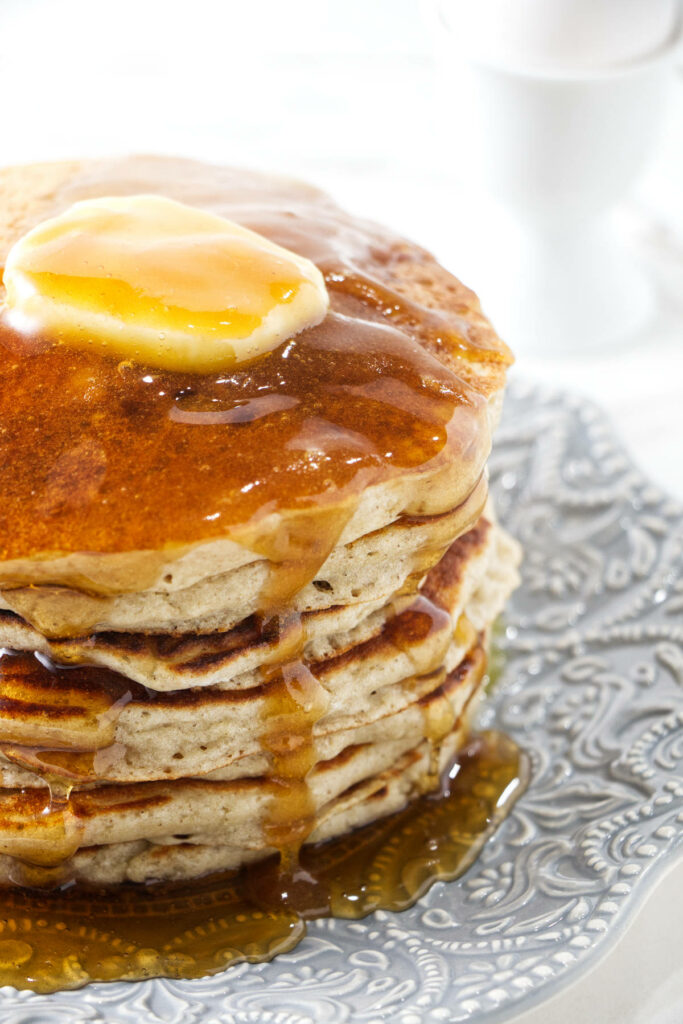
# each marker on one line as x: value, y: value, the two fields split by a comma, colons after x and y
x: 591, y: 688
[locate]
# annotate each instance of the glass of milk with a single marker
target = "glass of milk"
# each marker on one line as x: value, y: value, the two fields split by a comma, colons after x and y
x: 556, y: 106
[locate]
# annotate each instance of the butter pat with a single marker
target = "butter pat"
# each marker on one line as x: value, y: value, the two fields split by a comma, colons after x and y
x: 165, y: 284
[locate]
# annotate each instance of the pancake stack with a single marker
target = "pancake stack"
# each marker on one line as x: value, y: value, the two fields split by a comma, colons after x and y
x: 245, y: 610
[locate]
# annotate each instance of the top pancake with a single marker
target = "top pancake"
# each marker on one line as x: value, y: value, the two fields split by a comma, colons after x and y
x: 112, y: 473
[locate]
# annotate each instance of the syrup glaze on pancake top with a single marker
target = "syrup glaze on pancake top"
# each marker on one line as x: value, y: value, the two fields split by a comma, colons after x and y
x: 127, y: 488
x: 101, y: 456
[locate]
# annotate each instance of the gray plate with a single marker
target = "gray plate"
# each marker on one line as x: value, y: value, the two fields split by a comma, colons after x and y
x: 592, y: 690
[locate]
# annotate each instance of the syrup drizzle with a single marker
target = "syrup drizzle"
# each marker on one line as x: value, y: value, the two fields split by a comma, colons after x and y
x: 296, y: 702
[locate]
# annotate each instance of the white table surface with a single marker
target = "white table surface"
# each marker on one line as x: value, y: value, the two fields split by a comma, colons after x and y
x: 345, y: 95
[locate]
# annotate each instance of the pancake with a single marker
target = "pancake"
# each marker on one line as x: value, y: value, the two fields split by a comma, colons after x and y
x: 242, y: 610
x: 169, y: 662
x: 92, y: 724
x: 229, y: 816
x: 153, y: 860
x: 375, y: 565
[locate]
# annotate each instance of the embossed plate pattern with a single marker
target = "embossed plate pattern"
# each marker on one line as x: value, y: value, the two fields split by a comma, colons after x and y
x: 592, y: 688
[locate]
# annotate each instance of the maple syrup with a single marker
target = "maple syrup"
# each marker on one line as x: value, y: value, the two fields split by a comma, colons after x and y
x: 294, y: 704
x: 52, y: 940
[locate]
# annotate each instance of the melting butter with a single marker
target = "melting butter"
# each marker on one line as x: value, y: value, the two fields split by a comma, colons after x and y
x: 159, y: 282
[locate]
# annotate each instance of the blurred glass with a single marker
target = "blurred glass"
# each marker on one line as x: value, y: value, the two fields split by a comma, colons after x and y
x: 555, y: 131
